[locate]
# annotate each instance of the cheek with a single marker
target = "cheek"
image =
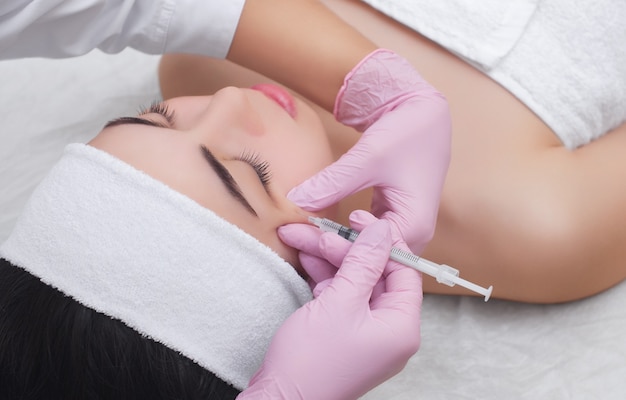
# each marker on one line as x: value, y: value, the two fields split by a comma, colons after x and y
x: 299, y: 151
x: 293, y: 173
x: 269, y: 237
x: 293, y: 163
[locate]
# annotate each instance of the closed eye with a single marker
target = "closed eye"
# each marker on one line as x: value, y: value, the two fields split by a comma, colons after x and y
x: 159, y: 107
x: 155, y: 108
x: 261, y: 167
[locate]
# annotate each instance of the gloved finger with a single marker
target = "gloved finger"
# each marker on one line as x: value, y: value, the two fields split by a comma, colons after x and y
x: 418, y: 232
x: 403, y: 291
x: 400, y: 229
x: 359, y: 219
x: 407, y: 282
x: 363, y: 265
x: 379, y: 289
x: 320, y: 287
x: 321, y: 272
x: 401, y: 307
x: 335, y: 182
x: 334, y: 248
x: 303, y: 237
x: 405, y: 203
x: 317, y: 269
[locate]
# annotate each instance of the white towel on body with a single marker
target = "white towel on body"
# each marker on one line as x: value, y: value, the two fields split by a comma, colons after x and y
x: 453, y: 24
x: 124, y: 244
x: 565, y: 59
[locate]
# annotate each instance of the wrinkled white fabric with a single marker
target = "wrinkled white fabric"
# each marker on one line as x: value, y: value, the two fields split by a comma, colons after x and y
x: 65, y: 28
x: 483, y: 31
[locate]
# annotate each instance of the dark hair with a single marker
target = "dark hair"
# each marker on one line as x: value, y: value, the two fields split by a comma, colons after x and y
x: 52, y: 347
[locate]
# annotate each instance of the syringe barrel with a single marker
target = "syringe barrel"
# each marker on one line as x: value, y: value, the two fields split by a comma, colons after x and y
x: 411, y: 260
x: 442, y: 273
x: 446, y: 275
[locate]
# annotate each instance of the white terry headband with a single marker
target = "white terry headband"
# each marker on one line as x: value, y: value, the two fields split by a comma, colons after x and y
x: 124, y: 244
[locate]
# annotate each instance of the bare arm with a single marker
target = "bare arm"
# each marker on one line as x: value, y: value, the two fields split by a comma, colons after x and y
x: 299, y: 43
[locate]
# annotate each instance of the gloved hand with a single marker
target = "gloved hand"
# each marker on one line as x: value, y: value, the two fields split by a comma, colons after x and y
x: 403, y: 153
x: 344, y: 342
x: 321, y: 253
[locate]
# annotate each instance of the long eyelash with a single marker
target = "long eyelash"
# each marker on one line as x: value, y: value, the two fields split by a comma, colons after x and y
x: 261, y: 167
x: 159, y: 107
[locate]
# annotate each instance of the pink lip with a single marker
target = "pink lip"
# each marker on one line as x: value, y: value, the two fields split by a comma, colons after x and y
x: 282, y: 97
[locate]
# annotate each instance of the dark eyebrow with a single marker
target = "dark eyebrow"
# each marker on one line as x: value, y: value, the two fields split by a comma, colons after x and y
x: 227, y: 179
x: 221, y: 171
x: 134, y: 121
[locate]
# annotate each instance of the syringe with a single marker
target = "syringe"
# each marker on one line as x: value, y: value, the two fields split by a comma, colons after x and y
x: 442, y: 273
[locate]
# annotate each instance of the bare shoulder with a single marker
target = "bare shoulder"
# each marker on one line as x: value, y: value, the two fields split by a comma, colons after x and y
x: 518, y: 210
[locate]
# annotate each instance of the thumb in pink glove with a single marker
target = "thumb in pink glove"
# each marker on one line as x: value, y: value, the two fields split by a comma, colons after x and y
x: 403, y: 153
x: 340, y: 345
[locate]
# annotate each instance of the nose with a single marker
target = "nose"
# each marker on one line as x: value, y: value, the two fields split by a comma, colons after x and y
x: 229, y: 110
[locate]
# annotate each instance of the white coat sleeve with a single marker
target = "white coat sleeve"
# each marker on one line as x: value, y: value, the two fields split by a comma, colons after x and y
x: 66, y: 28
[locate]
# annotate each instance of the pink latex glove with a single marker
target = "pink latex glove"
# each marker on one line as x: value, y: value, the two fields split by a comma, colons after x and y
x: 321, y: 253
x: 403, y: 153
x: 345, y: 342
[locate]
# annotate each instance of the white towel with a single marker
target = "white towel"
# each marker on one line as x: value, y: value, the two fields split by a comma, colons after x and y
x: 570, y: 68
x: 126, y: 245
x: 564, y: 59
x: 483, y: 31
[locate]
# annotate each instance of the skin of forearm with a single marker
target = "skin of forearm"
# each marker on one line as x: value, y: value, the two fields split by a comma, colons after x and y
x: 299, y: 43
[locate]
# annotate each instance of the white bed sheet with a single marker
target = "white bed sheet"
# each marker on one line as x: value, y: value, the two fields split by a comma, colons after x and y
x: 470, y: 349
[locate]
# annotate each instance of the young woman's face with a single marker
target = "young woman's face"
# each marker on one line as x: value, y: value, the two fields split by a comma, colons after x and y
x: 238, y: 153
